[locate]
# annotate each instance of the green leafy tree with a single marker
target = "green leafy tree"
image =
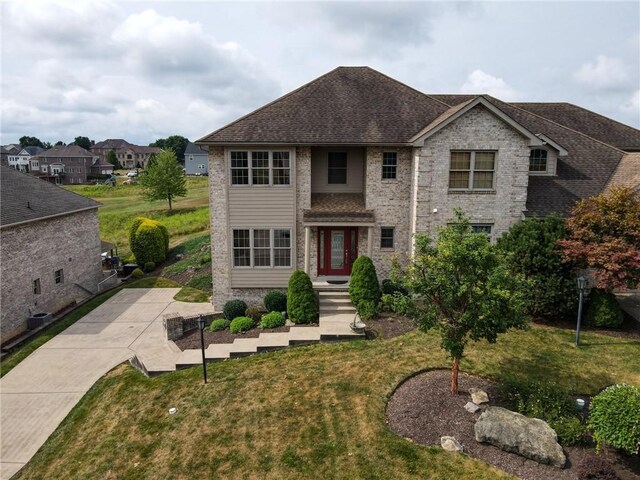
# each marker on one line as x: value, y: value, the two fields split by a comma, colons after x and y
x: 164, y: 179
x: 175, y: 143
x: 464, y: 289
x: 83, y: 142
x: 112, y: 158
x: 26, y: 141
x: 531, y: 249
x: 603, y: 235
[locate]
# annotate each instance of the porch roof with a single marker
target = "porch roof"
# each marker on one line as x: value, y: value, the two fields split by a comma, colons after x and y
x: 338, y: 208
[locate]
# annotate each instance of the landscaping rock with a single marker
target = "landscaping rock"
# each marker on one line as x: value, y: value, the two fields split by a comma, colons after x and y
x: 451, y: 444
x: 471, y: 407
x: 478, y: 396
x: 512, y: 432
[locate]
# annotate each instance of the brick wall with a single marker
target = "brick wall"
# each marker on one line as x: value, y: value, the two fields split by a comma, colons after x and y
x: 36, y: 250
x: 218, y: 186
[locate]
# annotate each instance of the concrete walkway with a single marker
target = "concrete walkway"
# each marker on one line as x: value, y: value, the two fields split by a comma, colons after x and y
x: 39, y: 393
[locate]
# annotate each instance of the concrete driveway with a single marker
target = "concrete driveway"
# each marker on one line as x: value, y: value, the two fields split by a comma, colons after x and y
x: 39, y: 393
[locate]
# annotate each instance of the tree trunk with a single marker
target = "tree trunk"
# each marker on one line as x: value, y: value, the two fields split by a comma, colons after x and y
x: 455, y: 367
x: 169, y: 198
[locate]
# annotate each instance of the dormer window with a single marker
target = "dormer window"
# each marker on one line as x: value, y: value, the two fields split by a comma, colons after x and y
x: 538, y: 160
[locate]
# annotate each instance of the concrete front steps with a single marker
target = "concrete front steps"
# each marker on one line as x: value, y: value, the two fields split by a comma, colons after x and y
x: 335, y: 302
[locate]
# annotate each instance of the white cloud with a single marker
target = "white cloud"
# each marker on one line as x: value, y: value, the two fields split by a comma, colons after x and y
x: 605, y: 73
x: 482, y: 82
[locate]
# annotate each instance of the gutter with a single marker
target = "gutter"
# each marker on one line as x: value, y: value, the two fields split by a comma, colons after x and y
x: 11, y: 225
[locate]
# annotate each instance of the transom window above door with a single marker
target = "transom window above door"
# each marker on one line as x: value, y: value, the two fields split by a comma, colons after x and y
x: 472, y: 170
x: 337, y: 171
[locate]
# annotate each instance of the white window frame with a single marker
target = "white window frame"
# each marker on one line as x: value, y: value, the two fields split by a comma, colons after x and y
x: 546, y: 166
x: 270, y: 152
x: 472, y: 170
x: 272, y: 249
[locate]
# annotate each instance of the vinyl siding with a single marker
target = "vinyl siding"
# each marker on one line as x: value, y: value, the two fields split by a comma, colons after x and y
x: 319, y: 170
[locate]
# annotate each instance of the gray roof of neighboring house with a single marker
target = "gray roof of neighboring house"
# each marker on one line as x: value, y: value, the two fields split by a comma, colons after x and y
x: 33, y: 150
x: 27, y: 198
x: 114, y: 143
x: 65, y: 151
x: 193, y: 149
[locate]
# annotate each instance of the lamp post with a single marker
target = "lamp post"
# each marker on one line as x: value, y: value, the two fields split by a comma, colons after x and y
x: 582, y: 285
x: 204, y: 365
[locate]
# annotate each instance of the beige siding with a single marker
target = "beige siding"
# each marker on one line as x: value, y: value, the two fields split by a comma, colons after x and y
x: 319, y: 171
x: 260, y: 277
x: 261, y: 206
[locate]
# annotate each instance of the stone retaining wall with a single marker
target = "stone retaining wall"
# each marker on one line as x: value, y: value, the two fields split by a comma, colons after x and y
x: 175, y: 325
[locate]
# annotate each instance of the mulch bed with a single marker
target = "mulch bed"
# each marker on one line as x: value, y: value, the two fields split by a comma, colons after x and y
x: 422, y: 410
x: 191, y: 340
x: 389, y: 325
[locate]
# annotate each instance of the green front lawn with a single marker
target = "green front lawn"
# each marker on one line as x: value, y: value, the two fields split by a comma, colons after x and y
x: 306, y: 412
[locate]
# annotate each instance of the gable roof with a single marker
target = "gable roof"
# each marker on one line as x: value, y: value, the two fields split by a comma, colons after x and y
x: 32, y: 150
x: 348, y: 105
x: 66, y: 151
x: 193, y: 149
x: 25, y: 198
x: 114, y: 143
x: 628, y: 172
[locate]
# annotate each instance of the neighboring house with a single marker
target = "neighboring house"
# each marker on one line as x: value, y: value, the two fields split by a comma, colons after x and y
x: 128, y: 154
x: 65, y: 164
x: 196, y: 160
x: 50, y: 255
x: 356, y: 162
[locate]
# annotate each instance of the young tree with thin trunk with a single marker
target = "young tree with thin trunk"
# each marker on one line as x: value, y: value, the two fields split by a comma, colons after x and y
x: 164, y: 180
x: 463, y: 289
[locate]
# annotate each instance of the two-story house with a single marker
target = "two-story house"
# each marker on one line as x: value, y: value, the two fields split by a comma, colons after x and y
x: 356, y: 162
x: 196, y: 160
x: 65, y: 164
x: 128, y: 154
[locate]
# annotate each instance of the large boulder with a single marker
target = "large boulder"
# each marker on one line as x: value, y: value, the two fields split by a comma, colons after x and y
x: 529, y: 437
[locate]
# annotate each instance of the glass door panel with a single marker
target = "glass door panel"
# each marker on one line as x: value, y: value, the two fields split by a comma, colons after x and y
x: 337, y: 249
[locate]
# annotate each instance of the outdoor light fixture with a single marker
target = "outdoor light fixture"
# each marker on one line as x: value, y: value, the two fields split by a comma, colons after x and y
x: 582, y: 286
x: 204, y: 364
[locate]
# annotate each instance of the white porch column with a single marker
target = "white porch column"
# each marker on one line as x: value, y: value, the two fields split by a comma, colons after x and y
x: 307, y: 241
x: 369, y: 240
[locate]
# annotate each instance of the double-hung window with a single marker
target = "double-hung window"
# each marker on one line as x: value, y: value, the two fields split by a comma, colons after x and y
x: 472, y: 170
x: 337, y: 171
x: 58, y: 276
x: 386, y: 237
x: 389, y: 165
x: 262, y: 247
x: 538, y: 160
x: 481, y: 228
x: 260, y: 167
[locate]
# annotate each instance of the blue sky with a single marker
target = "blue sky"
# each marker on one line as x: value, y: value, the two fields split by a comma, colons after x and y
x: 145, y: 70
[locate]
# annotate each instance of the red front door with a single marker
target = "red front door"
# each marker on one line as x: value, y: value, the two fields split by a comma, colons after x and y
x: 337, y: 250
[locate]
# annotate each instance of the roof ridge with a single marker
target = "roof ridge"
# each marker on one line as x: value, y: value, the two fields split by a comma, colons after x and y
x: 558, y: 124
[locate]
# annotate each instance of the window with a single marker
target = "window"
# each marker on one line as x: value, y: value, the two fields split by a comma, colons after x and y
x: 201, y: 166
x: 337, y: 168
x: 262, y: 248
x: 260, y: 168
x: 58, y: 181
x: 36, y: 287
x: 389, y: 165
x: 386, y: 237
x: 481, y: 228
x: 241, y: 248
x: 58, y: 276
x: 538, y: 160
x: 281, y: 168
x: 239, y: 168
x: 472, y: 170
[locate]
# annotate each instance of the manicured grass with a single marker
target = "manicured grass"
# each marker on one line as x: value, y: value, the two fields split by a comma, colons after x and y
x: 154, y: 282
x: 188, y: 294
x: 14, y: 358
x: 122, y: 203
x: 307, y: 412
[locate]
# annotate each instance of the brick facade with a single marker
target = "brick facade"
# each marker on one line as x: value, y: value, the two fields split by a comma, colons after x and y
x: 218, y: 198
x: 36, y: 250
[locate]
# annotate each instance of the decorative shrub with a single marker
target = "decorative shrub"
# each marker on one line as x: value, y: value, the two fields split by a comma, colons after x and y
x: 301, y: 300
x: 389, y: 287
x: 137, y: 273
x: 367, y: 309
x: 254, y: 312
x: 148, y: 240
x: 149, y: 267
x: 614, y: 417
x: 400, y: 304
x: 272, y: 320
x: 531, y: 250
x: 595, y: 468
x: 219, y: 324
x: 364, y: 283
x: 275, y: 301
x: 241, y: 324
x: 571, y: 431
x: 234, y: 308
x: 603, y: 310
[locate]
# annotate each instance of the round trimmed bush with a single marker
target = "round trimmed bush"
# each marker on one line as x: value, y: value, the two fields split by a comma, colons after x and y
x: 234, y: 308
x: 275, y: 301
x: 219, y: 324
x: 272, y: 320
x: 614, y: 417
x: 241, y: 324
x: 254, y: 312
x: 301, y: 300
x: 603, y: 310
x: 148, y: 240
x: 149, y: 267
x: 137, y: 273
x: 364, y: 285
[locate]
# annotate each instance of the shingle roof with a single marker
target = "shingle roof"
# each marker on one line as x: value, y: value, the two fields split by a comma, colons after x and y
x: 27, y: 198
x: 590, y: 123
x: 349, y: 105
x: 628, y: 172
x: 193, y: 149
x: 112, y: 143
x: 34, y: 150
x: 65, y: 151
x: 143, y: 149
